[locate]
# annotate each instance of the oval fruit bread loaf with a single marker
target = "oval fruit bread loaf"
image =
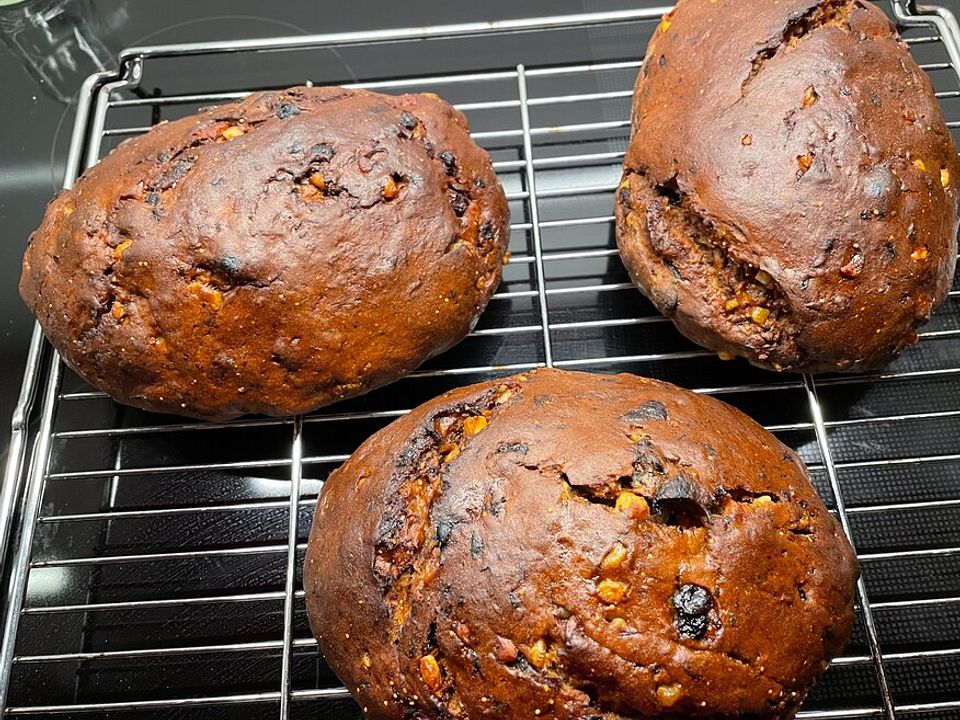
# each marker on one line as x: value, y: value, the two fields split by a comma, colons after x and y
x: 272, y: 255
x: 790, y: 191
x: 565, y: 545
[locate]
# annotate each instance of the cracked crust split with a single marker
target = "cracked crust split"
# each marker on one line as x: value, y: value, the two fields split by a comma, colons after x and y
x: 578, y: 545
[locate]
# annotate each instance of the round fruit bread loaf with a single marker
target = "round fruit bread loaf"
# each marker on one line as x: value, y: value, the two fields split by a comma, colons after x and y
x: 570, y: 546
x: 272, y: 255
x: 790, y: 190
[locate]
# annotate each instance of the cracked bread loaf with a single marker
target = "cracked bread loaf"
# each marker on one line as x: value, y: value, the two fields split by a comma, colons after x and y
x: 570, y: 546
x: 790, y: 190
x: 273, y: 255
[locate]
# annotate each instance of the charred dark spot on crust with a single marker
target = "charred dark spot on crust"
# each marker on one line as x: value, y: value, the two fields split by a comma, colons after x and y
x: 517, y: 447
x: 692, y: 605
x: 479, y: 182
x: 650, y: 410
x: 152, y: 198
x: 486, y: 231
x: 287, y: 110
x: 662, y: 61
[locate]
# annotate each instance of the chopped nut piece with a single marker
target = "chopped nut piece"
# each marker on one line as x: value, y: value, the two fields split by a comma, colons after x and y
x: 725, y: 356
x: 618, y: 624
x: 474, y: 425
x: 921, y: 253
x: 318, y: 182
x: 120, y: 249
x: 731, y: 304
x: 804, y: 162
x: 537, y: 654
x: 667, y: 695
x: 634, y: 505
x: 763, y: 501
x: 504, y: 393
x: 390, y: 189
x: 920, y: 165
x: 117, y: 310
x: 810, y: 97
x: 611, y: 591
x: 430, y: 672
x: 764, y: 278
x: 450, y: 451
x: 614, y: 558
x: 945, y: 177
x: 232, y: 132
x: 759, y: 315
x: 746, y: 140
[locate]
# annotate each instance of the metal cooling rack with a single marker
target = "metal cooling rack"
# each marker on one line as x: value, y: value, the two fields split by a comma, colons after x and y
x: 153, y: 564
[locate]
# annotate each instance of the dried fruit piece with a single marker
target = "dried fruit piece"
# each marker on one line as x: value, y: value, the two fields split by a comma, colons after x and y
x: 316, y: 179
x: 650, y: 410
x: 804, y: 162
x: 475, y: 424
x: 614, y: 558
x: 692, y: 604
x: 944, y: 177
x: 120, y: 249
x: 667, y: 695
x: 731, y: 304
x: 430, y: 672
x: 763, y: 278
x: 611, y: 591
x: 537, y: 654
x: 117, y: 310
x: 921, y: 253
x: 759, y: 315
x: 746, y: 140
x: 920, y: 165
x: 505, y: 651
x: 665, y: 24
x: 390, y: 189
x: 232, y: 132
x: 634, y: 505
x: 367, y: 662
x: 810, y: 97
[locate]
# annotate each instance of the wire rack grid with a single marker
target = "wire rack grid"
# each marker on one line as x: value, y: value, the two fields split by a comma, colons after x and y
x: 156, y: 567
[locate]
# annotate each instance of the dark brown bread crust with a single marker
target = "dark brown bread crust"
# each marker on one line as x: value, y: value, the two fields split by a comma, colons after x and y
x: 570, y: 546
x: 271, y: 256
x: 801, y: 139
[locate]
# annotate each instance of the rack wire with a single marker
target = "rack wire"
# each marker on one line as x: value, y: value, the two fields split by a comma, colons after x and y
x: 155, y: 566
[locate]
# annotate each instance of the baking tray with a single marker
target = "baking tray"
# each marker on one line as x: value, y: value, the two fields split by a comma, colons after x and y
x: 152, y: 565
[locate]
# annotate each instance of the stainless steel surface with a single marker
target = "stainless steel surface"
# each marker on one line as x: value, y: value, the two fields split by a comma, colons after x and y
x: 157, y: 567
